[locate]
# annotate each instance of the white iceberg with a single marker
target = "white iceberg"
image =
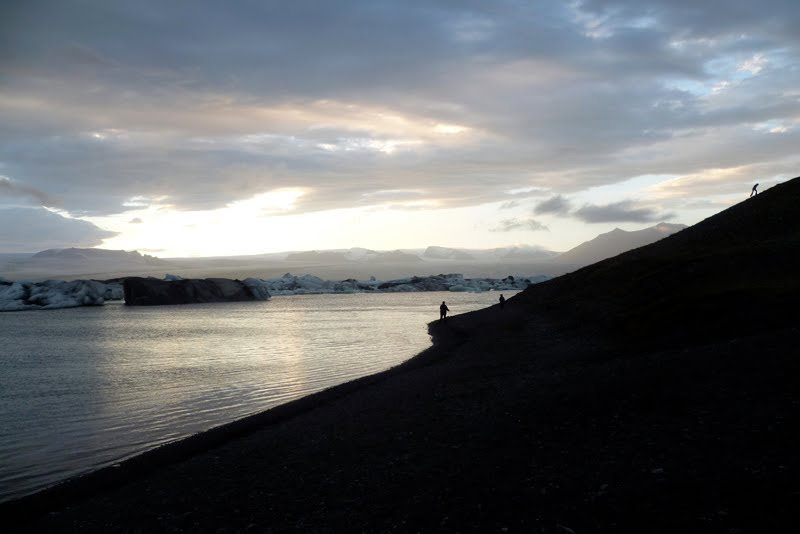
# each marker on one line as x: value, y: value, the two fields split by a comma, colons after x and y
x: 289, y: 284
x: 50, y: 294
x: 114, y: 291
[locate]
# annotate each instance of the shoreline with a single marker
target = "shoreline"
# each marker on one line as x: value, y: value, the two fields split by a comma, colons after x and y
x: 22, y: 509
x: 521, y: 422
x: 652, y: 392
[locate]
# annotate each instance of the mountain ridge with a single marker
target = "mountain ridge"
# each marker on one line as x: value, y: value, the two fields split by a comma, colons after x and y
x: 736, y: 261
x: 615, y: 242
x: 355, y: 262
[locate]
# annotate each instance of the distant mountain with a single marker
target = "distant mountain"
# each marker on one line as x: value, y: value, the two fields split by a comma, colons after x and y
x: 97, y: 254
x: 616, y: 242
x: 319, y: 256
x: 526, y: 252
x: 352, y: 255
x: 360, y: 254
x: 72, y: 263
x: 444, y: 253
x: 394, y: 256
x: 522, y: 260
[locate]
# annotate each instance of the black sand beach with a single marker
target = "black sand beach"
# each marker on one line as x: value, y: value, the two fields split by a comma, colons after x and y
x: 653, y: 392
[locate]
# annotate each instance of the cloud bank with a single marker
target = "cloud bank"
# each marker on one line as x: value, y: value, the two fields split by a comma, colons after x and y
x: 507, y: 225
x: 623, y: 211
x: 35, y: 229
x: 203, y: 104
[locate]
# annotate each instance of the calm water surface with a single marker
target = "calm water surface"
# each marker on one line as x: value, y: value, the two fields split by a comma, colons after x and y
x: 82, y: 388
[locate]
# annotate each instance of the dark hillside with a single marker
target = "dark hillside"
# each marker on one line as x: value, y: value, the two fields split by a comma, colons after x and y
x: 735, y: 272
x: 654, y: 392
x: 615, y: 242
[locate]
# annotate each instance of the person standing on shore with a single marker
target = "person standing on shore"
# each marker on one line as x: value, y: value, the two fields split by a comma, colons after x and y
x: 443, y: 309
x: 502, y: 301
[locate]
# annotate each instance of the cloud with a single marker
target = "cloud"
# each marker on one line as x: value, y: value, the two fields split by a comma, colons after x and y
x: 557, y: 205
x: 508, y: 225
x: 35, y: 229
x: 135, y: 220
x: 460, y: 100
x: 624, y: 211
x: 12, y: 189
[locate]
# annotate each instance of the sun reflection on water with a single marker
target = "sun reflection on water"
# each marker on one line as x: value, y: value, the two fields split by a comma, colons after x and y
x: 83, y: 388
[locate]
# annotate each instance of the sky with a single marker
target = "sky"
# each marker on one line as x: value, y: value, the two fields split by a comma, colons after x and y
x: 204, y: 128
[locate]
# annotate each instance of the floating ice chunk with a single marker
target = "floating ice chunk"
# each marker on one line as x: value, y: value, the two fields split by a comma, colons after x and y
x: 289, y: 284
x: 459, y: 288
x: 12, y: 296
x: 257, y: 287
x: 114, y: 291
x: 51, y: 294
x: 400, y: 288
x: 54, y: 294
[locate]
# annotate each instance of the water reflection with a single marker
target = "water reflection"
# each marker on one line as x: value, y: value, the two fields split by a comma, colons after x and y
x: 82, y: 388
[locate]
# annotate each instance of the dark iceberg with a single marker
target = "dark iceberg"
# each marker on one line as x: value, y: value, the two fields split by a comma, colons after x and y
x: 154, y: 292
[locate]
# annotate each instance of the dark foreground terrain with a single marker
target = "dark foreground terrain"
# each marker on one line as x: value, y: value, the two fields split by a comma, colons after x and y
x: 658, y: 391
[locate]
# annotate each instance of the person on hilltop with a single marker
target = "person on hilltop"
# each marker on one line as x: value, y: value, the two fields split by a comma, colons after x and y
x: 754, y: 191
x: 443, y: 309
x: 502, y: 301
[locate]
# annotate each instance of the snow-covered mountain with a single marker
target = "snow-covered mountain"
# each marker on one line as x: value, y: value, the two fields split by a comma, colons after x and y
x: 444, y: 253
x: 335, y: 264
x: 97, y: 254
x: 81, y: 263
x: 527, y: 252
x: 319, y: 256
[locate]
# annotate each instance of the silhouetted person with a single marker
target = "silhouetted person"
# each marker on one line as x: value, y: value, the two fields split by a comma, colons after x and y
x: 502, y: 301
x: 443, y: 309
x: 754, y: 191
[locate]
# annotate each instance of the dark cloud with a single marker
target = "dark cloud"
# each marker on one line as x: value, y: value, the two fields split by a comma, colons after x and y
x: 508, y: 225
x: 12, y: 189
x: 557, y: 205
x: 624, y: 211
x: 35, y: 229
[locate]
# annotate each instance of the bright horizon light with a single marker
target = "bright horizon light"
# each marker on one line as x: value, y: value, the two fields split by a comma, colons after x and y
x: 263, y: 129
x: 265, y: 224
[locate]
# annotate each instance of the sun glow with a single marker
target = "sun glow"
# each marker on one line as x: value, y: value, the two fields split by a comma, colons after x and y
x: 449, y: 129
x: 154, y: 227
x: 278, y: 201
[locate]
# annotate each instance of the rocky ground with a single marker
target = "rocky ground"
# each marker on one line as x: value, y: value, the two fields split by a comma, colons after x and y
x: 653, y: 392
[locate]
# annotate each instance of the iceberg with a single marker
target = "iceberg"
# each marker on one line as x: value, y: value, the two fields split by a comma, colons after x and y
x: 51, y: 294
x: 154, y: 292
x: 289, y: 284
x: 173, y: 289
x: 257, y: 287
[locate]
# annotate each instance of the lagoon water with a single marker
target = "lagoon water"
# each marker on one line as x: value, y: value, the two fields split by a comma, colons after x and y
x: 83, y: 388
